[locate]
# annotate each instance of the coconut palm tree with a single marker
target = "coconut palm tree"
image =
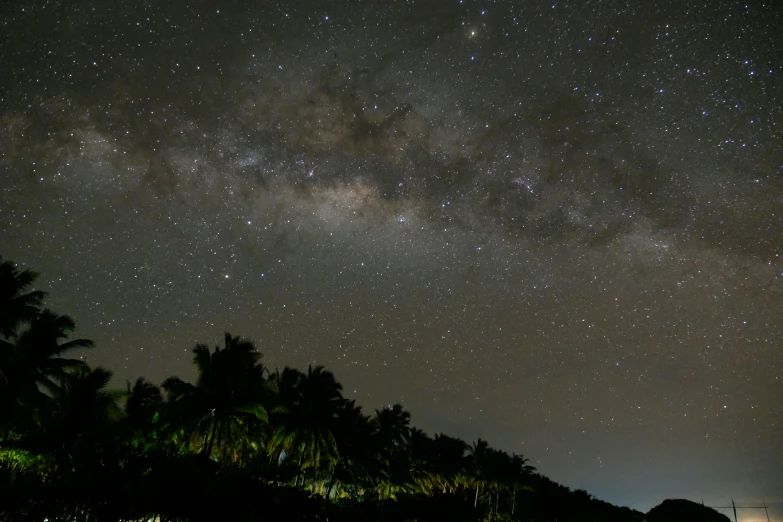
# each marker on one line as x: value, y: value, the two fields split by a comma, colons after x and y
x: 356, y: 459
x: 223, y: 413
x: 498, y: 474
x: 305, y: 417
x: 17, y: 303
x: 79, y: 416
x: 423, y: 475
x: 479, y: 455
x: 33, y: 361
x: 143, y: 405
x: 449, y: 462
x: 392, y: 436
x: 392, y: 426
x: 522, y: 473
x: 143, y: 400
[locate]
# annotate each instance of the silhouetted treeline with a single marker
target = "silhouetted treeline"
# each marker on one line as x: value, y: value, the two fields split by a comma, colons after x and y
x: 240, y: 443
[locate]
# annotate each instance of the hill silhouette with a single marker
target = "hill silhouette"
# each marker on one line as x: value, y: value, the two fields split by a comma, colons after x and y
x: 680, y: 510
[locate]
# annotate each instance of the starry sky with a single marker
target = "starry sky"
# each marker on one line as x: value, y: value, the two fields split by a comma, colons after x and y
x: 557, y: 226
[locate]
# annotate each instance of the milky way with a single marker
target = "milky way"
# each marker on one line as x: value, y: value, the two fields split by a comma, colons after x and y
x: 555, y: 226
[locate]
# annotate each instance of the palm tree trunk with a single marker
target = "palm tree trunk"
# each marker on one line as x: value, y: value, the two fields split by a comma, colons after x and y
x: 497, y: 501
x: 331, y: 483
x: 489, y: 501
x: 296, y: 479
x: 514, y: 501
x: 475, y: 502
x: 211, y: 441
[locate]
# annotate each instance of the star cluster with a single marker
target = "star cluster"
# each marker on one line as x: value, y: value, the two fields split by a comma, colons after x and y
x: 557, y: 226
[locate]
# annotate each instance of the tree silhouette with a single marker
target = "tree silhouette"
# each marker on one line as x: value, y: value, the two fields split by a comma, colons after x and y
x: 143, y: 406
x: 393, y: 427
x: 520, y: 477
x: 219, y: 414
x: 392, y: 435
x: 305, y: 417
x: 80, y: 415
x: 17, y: 303
x: 32, y: 361
x: 479, y: 456
x: 448, y: 457
x: 356, y: 458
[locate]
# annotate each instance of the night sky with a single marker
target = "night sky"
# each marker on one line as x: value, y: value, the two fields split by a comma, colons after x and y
x: 557, y: 226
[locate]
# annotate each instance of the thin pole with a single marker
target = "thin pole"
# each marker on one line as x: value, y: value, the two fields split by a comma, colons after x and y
x: 764, y: 502
x: 735, y: 510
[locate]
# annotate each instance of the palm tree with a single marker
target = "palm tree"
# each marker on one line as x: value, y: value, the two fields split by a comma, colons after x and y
x: 448, y: 454
x: 499, y: 474
x: 225, y: 409
x: 422, y: 473
x: 305, y: 417
x: 522, y: 473
x: 143, y: 400
x: 479, y: 453
x: 80, y: 414
x: 393, y: 426
x: 33, y: 361
x: 17, y: 304
x: 143, y: 405
x: 356, y: 460
x: 392, y: 436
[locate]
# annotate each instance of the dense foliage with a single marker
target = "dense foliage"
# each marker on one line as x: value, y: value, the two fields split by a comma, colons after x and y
x: 240, y: 443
